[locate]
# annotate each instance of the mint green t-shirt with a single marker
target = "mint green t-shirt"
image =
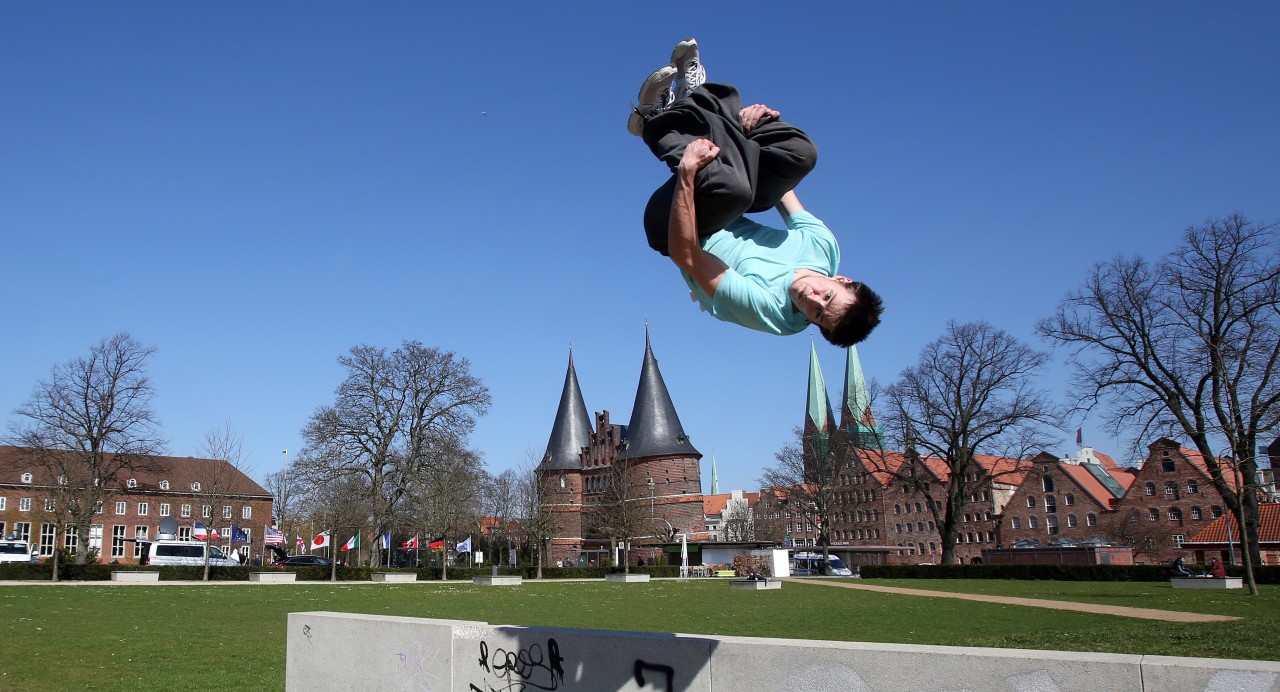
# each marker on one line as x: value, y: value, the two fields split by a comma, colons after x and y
x: 754, y: 291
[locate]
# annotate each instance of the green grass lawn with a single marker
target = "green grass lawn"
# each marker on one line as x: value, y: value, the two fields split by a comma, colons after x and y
x: 193, y: 636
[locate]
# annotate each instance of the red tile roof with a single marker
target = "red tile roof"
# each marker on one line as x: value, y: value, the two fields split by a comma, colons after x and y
x: 1268, y: 527
x: 180, y: 472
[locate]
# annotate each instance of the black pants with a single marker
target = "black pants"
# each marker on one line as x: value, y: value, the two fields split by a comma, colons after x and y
x: 753, y: 171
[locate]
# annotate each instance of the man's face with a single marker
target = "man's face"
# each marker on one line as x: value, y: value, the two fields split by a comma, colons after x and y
x: 822, y: 299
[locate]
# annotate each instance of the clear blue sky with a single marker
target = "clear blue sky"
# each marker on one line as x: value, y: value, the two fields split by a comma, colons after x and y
x: 253, y: 188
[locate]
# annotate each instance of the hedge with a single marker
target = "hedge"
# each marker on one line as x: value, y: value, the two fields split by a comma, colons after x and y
x: 1263, y: 575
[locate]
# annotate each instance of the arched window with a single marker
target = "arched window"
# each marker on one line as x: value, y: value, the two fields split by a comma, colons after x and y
x: 897, y: 509
x: 1032, y: 523
x: 1051, y: 523
x: 1151, y: 488
x: 1175, y: 514
x: 133, y: 483
x: 164, y: 485
x: 1071, y: 521
x: 1215, y: 511
x: 1090, y: 520
x: 1167, y: 466
x: 1153, y: 514
x: 26, y: 478
x: 1193, y: 487
x: 1070, y: 500
x: 1047, y: 483
x: 1050, y: 504
x: 1015, y: 523
x: 195, y: 487
x: 1195, y: 513
x: 1031, y: 501
x: 1170, y: 489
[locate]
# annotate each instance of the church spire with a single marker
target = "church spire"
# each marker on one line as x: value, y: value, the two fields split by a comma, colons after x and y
x: 818, y: 416
x: 572, y: 429
x: 856, y: 417
x: 655, y: 428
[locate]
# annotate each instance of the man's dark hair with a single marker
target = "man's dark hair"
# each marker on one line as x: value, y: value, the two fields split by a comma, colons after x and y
x: 857, y: 322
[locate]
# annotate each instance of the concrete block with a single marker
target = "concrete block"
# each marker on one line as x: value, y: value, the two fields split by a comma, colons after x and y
x: 498, y: 580
x: 135, y: 576
x: 345, y: 651
x: 748, y: 663
x: 273, y: 577
x: 395, y: 577
x: 1176, y: 674
x: 753, y: 585
x: 1207, y: 582
x: 627, y: 578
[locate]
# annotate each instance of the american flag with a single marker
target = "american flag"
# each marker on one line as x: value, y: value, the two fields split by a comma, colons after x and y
x: 273, y: 536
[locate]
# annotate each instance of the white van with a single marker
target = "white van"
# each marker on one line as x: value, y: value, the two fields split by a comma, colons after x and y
x: 186, y: 554
x: 14, y: 550
x: 803, y: 564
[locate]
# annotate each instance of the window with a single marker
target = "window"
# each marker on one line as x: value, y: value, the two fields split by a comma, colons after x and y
x: 897, y: 509
x: 22, y: 529
x: 164, y: 485
x: 49, y: 505
x: 118, y: 540
x: 1051, y: 523
x: 185, y: 511
x: 3, y: 501
x: 1215, y: 511
x: 1195, y: 513
x: 1015, y: 523
x: 1090, y: 520
x: 1050, y: 504
x: 139, y: 532
x: 70, y: 540
x: 1178, y: 540
x: 920, y: 526
x: 1193, y: 488
x: 1071, y: 521
x: 120, y: 507
x: 1047, y: 483
x: 184, y: 533
x: 26, y: 478
x: 164, y: 509
x: 1167, y: 466
x: 246, y: 512
x: 62, y: 480
x: 1153, y: 514
x: 46, y: 539
x: 1069, y: 500
x: 195, y: 487
x: 899, y: 528
x: 95, y: 538
x: 206, y: 511
x: 1032, y: 523
x: 24, y: 504
x: 1171, y: 489
x: 97, y: 507
x: 133, y: 483
x: 1031, y: 502
x: 1151, y: 488
x: 911, y: 528
x: 143, y: 509
x: 1175, y: 514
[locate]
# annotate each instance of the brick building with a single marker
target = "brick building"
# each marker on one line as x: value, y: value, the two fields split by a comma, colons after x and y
x: 643, y: 478
x: 1063, y: 501
x: 179, y: 487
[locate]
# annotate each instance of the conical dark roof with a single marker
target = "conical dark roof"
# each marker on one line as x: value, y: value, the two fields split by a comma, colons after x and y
x: 572, y: 429
x: 655, y: 428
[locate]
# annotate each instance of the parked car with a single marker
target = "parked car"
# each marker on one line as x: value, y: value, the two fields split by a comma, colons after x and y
x: 805, y: 564
x: 302, y: 561
x: 14, y: 550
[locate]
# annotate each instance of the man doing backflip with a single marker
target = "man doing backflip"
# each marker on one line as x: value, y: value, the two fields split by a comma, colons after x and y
x: 727, y: 161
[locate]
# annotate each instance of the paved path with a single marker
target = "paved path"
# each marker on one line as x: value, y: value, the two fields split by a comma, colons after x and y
x: 1123, y: 611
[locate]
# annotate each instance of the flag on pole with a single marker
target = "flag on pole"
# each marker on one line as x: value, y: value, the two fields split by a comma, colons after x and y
x: 301, y: 543
x: 410, y: 544
x: 1079, y: 435
x: 200, y: 532
x: 386, y: 541
x: 321, y: 540
x: 272, y: 536
x: 465, y: 546
x: 238, y: 535
x: 213, y: 534
x: 353, y: 542
x: 436, y: 545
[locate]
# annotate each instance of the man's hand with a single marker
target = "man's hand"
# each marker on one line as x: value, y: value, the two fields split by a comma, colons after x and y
x: 756, y: 115
x: 697, y: 154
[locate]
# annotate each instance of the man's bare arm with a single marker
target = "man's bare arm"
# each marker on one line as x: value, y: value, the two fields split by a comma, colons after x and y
x: 682, y: 234
x: 788, y: 205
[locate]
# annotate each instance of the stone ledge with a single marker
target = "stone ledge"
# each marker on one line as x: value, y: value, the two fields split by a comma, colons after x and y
x: 135, y: 576
x: 273, y: 577
x: 627, y: 578
x: 394, y: 577
x: 498, y: 580
x: 1207, y: 582
x: 753, y: 585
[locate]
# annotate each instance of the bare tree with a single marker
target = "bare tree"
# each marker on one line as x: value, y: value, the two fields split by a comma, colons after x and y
x: 737, y: 521
x: 287, y: 490
x: 537, y: 522
x: 973, y: 392
x: 447, y: 495
x: 87, y: 425
x: 222, y: 476
x: 624, y: 510
x: 1186, y: 347
x: 391, y: 411
x: 808, y: 469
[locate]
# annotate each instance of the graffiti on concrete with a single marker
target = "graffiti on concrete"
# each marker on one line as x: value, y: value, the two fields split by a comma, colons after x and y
x: 668, y: 671
x: 527, y: 669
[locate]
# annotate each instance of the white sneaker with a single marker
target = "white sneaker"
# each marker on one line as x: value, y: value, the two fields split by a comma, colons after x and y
x: 655, y: 96
x: 692, y: 74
